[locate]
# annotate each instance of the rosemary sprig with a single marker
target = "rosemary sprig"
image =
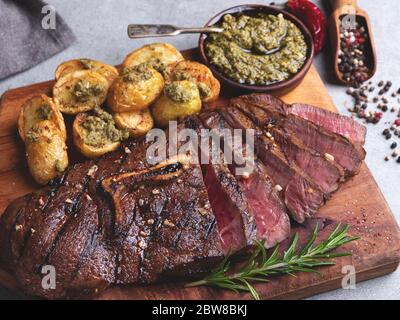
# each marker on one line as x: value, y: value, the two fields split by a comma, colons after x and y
x: 259, y: 266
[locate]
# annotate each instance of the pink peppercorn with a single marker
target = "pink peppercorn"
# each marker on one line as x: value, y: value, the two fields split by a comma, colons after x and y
x: 397, y: 122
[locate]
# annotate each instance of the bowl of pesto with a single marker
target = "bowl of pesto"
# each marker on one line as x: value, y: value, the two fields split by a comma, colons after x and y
x: 261, y: 49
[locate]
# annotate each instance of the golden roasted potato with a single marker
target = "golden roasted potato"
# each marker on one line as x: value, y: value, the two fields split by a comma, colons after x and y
x: 136, y: 89
x: 156, y: 55
x: 107, y: 71
x: 80, y: 91
x: 138, y: 123
x: 95, y: 135
x: 208, y: 85
x: 46, y: 151
x: 37, y: 109
x: 180, y: 99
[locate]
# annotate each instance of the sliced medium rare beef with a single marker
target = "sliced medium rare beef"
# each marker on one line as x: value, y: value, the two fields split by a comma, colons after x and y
x: 331, y: 121
x: 268, y: 210
x: 301, y: 196
x: 329, y: 144
x: 326, y: 174
x: 236, y: 225
x: 230, y: 208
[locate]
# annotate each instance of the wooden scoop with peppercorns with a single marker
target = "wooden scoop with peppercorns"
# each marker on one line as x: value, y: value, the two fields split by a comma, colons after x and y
x: 352, y: 43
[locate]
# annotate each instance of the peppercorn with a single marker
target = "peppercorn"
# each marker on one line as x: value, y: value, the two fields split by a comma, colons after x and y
x: 388, y: 136
x: 364, y: 106
x: 398, y: 160
x: 375, y: 100
x: 394, y: 154
x: 381, y: 83
x: 384, y: 108
x: 385, y: 132
x: 393, y: 145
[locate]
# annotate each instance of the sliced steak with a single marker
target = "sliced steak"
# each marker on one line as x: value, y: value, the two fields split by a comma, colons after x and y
x: 328, y: 144
x: 301, y: 196
x: 326, y: 174
x: 331, y: 121
x: 230, y: 208
x: 268, y: 210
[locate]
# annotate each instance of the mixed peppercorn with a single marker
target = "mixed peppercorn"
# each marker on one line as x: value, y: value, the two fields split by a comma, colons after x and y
x: 371, y: 104
x: 354, y: 55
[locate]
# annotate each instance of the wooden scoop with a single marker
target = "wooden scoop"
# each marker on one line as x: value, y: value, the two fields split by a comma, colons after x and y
x: 349, y: 7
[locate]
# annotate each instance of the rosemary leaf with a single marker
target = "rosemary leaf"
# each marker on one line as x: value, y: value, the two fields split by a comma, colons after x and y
x: 260, y: 266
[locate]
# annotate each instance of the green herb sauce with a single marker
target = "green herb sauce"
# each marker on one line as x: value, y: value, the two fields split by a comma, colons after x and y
x: 179, y: 92
x: 257, y: 50
x: 139, y: 73
x: 43, y: 112
x: 84, y: 90
x: 100, y: 129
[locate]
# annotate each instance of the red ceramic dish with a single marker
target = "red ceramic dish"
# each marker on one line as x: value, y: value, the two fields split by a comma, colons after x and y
x: 278, y: 88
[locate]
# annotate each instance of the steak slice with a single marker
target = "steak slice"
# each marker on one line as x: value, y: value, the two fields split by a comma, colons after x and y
x: 331, y: 121
x: 268, y: 210
x: 236, y: 225
x: 328, y: 144
x: 301, y: 196
x: 327, y: 175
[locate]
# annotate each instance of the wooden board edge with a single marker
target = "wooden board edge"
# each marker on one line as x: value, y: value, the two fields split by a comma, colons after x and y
x: 334, y: 284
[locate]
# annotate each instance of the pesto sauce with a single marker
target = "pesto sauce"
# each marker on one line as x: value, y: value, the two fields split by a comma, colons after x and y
x: 257, y: 50
x: 204, y: 90
x: 43, y: 112
x: 83, y: 90
x: 180, y: 92
x: 100, y: 129
x: 136, y: 74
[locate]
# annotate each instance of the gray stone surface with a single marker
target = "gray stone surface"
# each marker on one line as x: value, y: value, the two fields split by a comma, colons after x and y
x: 100, y: 28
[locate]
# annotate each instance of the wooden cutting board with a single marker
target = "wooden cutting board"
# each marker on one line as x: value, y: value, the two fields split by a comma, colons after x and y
x: 358, y: 203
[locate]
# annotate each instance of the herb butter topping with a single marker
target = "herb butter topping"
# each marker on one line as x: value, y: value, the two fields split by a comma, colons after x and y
x: 99, y: 129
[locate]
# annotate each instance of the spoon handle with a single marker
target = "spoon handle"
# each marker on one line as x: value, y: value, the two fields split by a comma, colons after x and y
x: 136, y: 31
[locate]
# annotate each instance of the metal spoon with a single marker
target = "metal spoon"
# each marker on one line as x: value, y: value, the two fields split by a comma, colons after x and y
x: 137, y: 31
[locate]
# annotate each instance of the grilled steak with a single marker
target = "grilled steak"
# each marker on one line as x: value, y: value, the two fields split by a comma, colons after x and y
x: 121, y: 220
x: 266, y: 207
x: 326, y: 174
x: 139, y: 224
x: 331, y: 121
x: 313, y: 136
x: 236, y: 225
x: 301, y: 196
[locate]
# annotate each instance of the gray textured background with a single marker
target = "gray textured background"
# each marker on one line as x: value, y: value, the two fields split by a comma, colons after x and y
x: 100, y: 27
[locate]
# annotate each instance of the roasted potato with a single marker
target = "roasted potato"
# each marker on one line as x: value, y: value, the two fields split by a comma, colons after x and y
x: 180, y: 99
x: 156, y: 55
x: 138, y: 123
x: 209, y: 86
x: 107, y: 71
x: 37, y: 109
x: 46, y: 151
x: 80, y: 91
x: 95, y: 135
x: 136, y: 89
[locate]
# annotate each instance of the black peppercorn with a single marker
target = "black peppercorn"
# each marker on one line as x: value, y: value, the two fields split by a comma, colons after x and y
x: 398, y: 160
x: 385, y: 132
x: 393, y: 145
